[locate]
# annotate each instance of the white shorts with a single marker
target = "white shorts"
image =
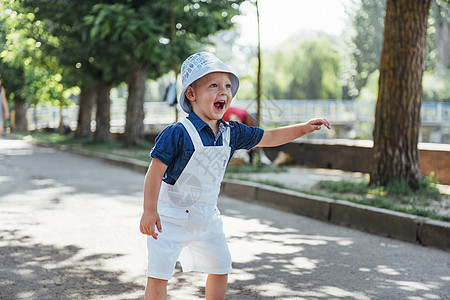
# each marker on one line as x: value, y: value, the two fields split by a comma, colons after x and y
x: 200, y: 248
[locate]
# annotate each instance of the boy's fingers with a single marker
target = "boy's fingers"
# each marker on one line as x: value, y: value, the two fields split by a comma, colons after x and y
x: 158, y: 225
x: 153, y: 232
x: 325, y: 123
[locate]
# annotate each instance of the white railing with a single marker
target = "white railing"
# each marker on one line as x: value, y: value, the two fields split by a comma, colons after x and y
x: 273, y: 112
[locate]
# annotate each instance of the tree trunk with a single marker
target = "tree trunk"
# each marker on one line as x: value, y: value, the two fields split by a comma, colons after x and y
x: 85, y: 105
x: 134, y: 127
x: 397, y: 117
x: 20, y: 116
x: 102, y: 127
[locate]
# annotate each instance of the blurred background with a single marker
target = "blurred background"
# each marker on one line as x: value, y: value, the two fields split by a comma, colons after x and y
x: 105, y: 67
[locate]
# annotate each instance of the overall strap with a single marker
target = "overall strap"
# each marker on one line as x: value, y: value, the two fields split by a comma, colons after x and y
x: 226, y: 137
x: 193, y: 133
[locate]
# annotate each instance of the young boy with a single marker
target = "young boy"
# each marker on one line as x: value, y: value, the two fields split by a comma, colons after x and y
x: 182, y: 183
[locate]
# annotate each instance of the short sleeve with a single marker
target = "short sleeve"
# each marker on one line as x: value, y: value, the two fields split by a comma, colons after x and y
x: 245, y: 137
x: 168, y: 144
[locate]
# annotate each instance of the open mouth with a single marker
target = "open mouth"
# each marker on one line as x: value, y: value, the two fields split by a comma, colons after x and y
x: 219, y: 105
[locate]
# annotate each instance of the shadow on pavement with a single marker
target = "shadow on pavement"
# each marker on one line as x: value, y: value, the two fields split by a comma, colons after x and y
x: 39, y: 271
x: 277, y: 256
x: 60, y: 220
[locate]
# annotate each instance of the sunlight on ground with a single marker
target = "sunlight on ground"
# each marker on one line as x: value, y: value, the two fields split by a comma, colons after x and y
x: 386, y: 270
x: 414, y: 286
x: 262, y: 238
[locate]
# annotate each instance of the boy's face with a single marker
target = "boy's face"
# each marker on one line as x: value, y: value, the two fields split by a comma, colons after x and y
x: 210, y: 96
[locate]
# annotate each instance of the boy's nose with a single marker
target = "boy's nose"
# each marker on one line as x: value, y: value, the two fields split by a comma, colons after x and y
x: 223, y: 89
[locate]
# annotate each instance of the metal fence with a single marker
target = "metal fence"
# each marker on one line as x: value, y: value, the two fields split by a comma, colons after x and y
x: 273, y: 112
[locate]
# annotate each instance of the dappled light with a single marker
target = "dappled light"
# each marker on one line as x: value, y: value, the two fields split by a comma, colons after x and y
x: 44, y: 271
x: 96, y: 80
x: 312, y: 254
x: 70, y: 231
x: 415, y: 286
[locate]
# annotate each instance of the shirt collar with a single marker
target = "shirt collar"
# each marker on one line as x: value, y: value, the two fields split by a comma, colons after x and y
x: 199, y: 124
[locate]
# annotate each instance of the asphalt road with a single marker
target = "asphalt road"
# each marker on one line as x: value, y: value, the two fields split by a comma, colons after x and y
x: 69, y: 229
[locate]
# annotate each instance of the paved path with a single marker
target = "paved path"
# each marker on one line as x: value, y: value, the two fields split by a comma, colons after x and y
x: 69, y: 230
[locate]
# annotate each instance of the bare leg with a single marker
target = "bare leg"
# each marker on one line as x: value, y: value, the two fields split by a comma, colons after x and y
x: 156, y: 289
x: 216, y: 286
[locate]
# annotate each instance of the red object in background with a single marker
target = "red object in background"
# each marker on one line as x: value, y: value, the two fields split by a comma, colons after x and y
x: 239, y: 114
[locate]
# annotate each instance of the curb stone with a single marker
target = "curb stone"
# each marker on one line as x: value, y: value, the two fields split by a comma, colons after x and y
x: 379, y: 221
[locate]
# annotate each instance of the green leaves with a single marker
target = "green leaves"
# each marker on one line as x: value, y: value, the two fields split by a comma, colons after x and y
x: 309, y: 70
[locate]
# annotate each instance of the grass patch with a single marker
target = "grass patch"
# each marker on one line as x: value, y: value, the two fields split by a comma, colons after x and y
x: 393, y: 198
x: 344, y: 186
x: 255, y: 169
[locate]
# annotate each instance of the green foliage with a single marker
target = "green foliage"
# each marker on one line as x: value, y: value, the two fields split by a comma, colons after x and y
x: 370, y: 91
x: 368, y: 25
x: 135, y: 30
x: 396, y: 188
x: 254, y: 169
x: 428, y: 187
x: 61, y: 44
x: 143, y: 33
x: 24, y: 47
x: 438, y: 58
x: 83, y: 60
x: 344, y: 186
x: 311, y: 70
x: 436, y: 87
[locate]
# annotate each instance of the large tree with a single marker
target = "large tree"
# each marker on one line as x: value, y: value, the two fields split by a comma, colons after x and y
x: 366, y: 43
x: 397, y: 118
x: 32, y: 76
x: 154, y: 36
x: 91, y: 64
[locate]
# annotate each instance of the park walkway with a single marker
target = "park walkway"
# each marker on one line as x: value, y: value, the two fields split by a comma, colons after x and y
x: 69, y: 230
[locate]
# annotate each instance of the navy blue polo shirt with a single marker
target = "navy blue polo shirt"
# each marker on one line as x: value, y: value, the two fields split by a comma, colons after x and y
x: 174, y: 147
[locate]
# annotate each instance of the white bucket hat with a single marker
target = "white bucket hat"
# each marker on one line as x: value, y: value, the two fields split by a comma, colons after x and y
x: 197, y: 66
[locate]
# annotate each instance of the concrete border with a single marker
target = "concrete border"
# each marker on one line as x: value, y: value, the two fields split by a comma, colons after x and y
x: 401, y: 226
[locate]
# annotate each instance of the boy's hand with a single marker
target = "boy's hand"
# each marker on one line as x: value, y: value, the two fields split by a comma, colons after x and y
x: 148, y: 222
x: 316, y: 124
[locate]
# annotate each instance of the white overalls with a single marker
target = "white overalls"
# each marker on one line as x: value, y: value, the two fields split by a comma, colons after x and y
x: 190, y: 219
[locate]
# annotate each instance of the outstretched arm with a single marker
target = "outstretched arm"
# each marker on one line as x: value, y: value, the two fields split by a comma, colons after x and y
x: 283, y: 135
x: 150, y: 217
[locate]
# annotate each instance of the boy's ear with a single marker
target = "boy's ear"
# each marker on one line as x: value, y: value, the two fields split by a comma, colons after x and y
x: 190, y: 93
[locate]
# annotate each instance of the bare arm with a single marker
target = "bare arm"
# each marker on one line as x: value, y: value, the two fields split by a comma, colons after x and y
x: 4, y: 104
x: 283, y: 135
x: 150, y: 217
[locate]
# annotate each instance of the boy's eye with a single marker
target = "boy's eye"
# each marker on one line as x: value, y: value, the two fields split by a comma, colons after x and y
x: 214, y: 85
x: 228, y: 86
